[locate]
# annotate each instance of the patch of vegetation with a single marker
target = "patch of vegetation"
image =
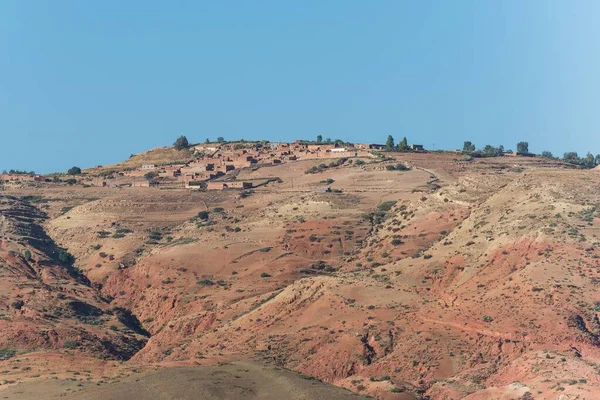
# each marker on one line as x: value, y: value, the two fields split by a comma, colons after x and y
x: 397, y: 167
x: 205, y: 282
x: 155, y: 235
x: 386, y: 205
x: 7, y: 354
x: 34, y: 199
x: 315, y: 169
x: 64, y: 256
x: 318, y: 268
x: 71, y: 344
x: 18, y: 304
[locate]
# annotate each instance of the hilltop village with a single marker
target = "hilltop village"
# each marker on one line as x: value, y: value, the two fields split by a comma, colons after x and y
x: 209, y: 166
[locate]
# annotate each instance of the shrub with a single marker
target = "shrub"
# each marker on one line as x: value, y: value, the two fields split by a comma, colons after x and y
x: 27, y: 255
x: 18, y: 304
x: 265, y: 275
x: 203, y: 215
x: 205, y: 282
x: 487, y: 318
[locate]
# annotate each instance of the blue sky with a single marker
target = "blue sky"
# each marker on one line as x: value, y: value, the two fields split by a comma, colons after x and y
x: 85, y: 83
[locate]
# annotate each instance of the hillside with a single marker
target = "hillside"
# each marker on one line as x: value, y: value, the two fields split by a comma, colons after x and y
x: 444, y: 280
x: 157, y: 156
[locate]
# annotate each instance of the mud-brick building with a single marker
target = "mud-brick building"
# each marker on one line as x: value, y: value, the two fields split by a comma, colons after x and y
x: 228, y: 185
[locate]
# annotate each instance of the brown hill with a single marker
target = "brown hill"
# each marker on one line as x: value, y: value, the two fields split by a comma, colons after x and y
x: 454, y: 279
x: 231, y: 381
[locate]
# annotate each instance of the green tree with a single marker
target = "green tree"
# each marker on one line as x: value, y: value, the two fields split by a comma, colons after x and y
x: 523, y: 147
x: 207, y: 141
x: 389, y: 144
x: 319, y: 139
x: 547, y: 154
x: 149, y: 176
x: 597, y: 159
x: 571, y: 157
x: 403, y: 145
x: 65, y: 257
x: 328, y: 140
x: 27, y: 255
x: 468, y: 146
x: 181, y: 143
x: 74, y: 171
x: 588, y: 161
x: 220, y: 139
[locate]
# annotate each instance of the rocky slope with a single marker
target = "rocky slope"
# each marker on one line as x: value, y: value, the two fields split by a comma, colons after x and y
x: 45, y: 302
x: 452, y: 280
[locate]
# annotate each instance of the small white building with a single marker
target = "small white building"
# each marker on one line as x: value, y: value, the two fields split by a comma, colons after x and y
x: 148, y: 166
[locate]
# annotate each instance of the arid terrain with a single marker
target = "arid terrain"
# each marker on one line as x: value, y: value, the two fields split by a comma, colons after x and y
x: 451, y: 279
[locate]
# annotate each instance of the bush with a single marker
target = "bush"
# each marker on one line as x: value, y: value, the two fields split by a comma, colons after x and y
x: 203, y: 215
x: 27, y: 255
x: 205, y: 282
x: 155, y: 235
x: 18, y: 304
x: 265, y: 275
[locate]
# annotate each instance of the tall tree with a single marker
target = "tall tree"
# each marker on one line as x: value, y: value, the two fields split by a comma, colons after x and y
x: 468, y: 146
x: 74, y: 171
x: 403, y: 145
x: 319, y: 138
x: 547, y: 154
x: 588, y: 161
x: 389, y: 144
x: 571, y: 157
x: 523, y: 147
x: 181, y: 143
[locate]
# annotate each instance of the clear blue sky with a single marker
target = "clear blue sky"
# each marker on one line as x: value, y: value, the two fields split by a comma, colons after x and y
x: 90, y: 82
